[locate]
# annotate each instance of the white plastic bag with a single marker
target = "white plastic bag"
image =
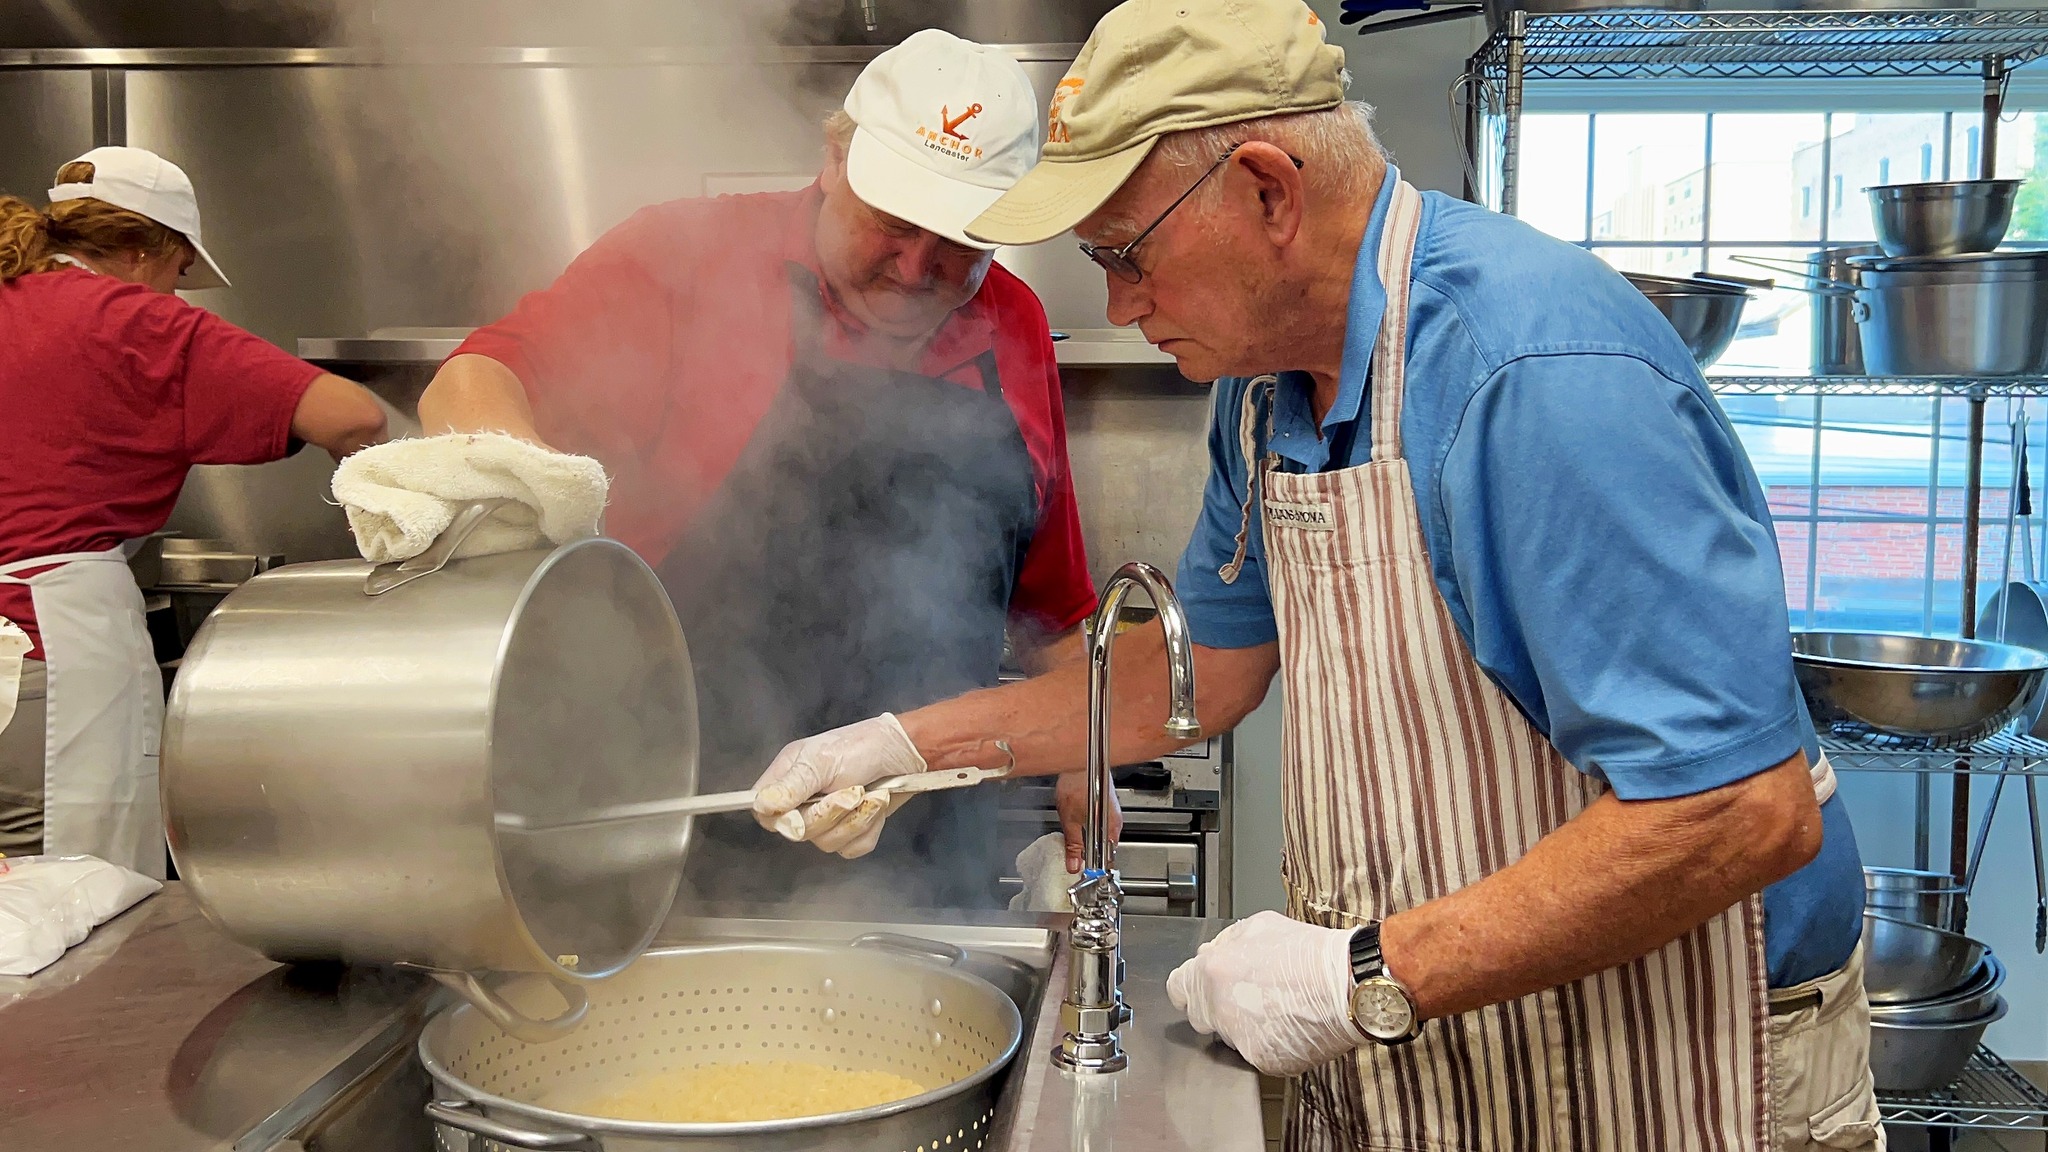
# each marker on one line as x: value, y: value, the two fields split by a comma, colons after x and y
x: 49, y: 903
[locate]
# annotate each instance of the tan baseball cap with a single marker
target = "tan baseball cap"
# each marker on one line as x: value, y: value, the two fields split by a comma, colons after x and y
x: 1154, y: 67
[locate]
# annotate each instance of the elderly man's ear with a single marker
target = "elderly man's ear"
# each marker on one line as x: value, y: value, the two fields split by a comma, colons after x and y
x: 1277, y: 182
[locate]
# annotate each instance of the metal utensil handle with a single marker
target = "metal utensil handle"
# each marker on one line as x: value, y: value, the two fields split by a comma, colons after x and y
x: 1983, y: 836
x: 384, y: 577
x: 937, y: 780
x: 1821, y: 285
x: 464, y: 1116
x: 2040, y: 868
x: 911, y: 945
x: 515, y: 1023
x: 717, y: 802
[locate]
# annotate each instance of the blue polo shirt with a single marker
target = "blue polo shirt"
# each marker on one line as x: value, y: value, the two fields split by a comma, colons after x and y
x: 1592, y: 521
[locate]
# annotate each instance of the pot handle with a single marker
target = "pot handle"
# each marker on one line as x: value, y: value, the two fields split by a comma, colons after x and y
x: 465, y: 1116
x: 516, y: 1023
x: 911, y: 946
x: 1815, y: 285
x: 384, y: 577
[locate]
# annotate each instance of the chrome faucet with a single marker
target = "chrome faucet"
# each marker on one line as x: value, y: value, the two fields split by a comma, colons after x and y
x: 1094, y: 1007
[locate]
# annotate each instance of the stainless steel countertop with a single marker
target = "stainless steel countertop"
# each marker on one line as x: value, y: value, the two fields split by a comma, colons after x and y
x: 1182, y: 1090
x: 160, y: 1033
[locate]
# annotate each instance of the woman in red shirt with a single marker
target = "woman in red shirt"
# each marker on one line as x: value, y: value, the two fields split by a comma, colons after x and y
x: 113, y: 389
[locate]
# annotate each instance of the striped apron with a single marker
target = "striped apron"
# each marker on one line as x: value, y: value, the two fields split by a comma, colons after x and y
x: 1425, y: 779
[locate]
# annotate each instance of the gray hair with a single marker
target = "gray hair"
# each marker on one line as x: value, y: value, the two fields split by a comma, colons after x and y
x: 1339, y: 151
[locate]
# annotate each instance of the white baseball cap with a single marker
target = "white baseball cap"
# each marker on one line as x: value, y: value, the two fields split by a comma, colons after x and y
x: 148, y: 185
x: 946, y: 126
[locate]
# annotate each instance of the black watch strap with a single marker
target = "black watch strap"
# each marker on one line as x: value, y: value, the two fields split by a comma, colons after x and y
x: 1366, y: 961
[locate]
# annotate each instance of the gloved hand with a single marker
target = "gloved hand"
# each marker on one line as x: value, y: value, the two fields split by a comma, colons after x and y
x: 848, y: 821
x: 1275, y: 989
x: 1070, y: 800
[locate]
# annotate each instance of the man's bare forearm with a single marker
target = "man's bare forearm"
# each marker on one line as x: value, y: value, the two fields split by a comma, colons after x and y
x: 1618, y: 881
x: 474, y: 393
x: 1045, y: 719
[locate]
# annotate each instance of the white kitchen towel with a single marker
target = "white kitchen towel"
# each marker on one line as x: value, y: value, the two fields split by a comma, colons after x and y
x: 49, y: 903
x: 1043, y: 866
x: 402, y: 494
x: 13, y: 646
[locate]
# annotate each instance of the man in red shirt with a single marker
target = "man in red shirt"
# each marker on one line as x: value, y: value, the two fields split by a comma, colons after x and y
x: 834, y: 426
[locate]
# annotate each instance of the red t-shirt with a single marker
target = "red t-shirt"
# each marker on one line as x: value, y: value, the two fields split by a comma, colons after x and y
x: 109, y: 393
x: 662, y: 346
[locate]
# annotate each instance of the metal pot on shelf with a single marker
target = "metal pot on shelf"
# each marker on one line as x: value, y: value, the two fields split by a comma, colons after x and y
x: 350, y: 750
x: 1981, y: 314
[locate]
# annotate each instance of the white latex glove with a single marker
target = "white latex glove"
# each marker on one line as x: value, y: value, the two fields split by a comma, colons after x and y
x: 1275, y: 989
x: 848, y: 821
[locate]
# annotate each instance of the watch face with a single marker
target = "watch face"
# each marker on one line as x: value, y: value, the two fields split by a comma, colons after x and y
x: 1382, y: 1010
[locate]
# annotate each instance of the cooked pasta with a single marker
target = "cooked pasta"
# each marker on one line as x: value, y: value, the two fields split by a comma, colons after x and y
x: 734, y: 1093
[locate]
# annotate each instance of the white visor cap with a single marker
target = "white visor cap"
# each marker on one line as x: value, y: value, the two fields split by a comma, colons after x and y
x: 946, y: 126
x: 148, y: 185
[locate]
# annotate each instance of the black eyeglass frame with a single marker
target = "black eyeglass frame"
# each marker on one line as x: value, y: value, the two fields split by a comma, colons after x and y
x: 1117, y: 261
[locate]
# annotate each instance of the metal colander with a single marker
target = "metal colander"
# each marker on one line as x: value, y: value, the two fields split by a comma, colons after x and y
x: 881, y: 1004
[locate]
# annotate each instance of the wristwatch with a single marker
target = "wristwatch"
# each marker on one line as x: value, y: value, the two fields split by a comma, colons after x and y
x: 1381, y: 1006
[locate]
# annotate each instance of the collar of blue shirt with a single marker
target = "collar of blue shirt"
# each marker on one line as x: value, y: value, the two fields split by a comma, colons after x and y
x: 1294, y: 429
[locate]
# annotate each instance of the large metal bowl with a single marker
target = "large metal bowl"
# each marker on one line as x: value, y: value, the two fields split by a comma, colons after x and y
x: 1919, y: 1057
x: 1977, y: 996
x: 1922, y: 897
x: 1705, y: 314
x: 1906, y: 962
x: 1917, y: 688
x: 1943, y: 217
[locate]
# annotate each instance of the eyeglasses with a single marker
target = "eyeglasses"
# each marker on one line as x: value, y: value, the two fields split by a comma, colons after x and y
x: 1117, y: 261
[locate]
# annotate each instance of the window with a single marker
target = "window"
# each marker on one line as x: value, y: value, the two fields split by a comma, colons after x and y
x: 1866, y: 492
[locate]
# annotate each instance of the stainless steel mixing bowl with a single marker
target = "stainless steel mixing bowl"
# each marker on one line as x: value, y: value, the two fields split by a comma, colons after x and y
x: 1977, y: 996
x: 1906, y: 962
x: 1922, y: 897
x: 1919, y: 1057
x: 1942, y: 217
x: 1918, y: 688
x: 1706, y: 314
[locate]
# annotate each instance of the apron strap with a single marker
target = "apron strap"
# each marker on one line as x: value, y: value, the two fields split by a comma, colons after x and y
x: 1823, y: 774
x: 8, y: 570
x: 1390, y: 355
x: 1248, y: 442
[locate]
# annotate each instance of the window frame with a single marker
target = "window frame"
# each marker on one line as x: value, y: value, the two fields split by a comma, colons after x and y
x: 1959, y: 102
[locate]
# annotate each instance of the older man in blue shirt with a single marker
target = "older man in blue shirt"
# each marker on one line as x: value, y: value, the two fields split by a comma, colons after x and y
x: 1549, y: 784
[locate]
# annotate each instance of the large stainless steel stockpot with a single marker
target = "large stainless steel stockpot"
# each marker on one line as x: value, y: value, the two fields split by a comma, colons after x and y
x: 387, y: 765
x: 1978, y: 315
